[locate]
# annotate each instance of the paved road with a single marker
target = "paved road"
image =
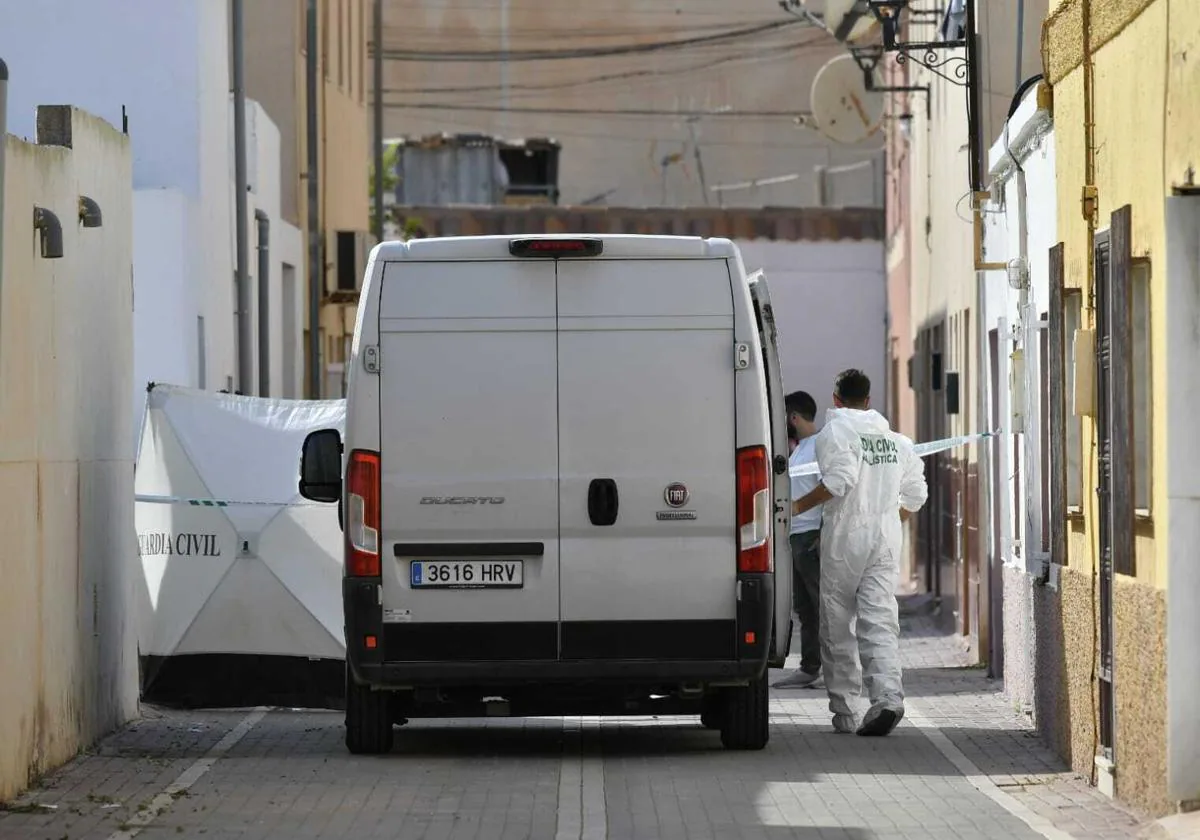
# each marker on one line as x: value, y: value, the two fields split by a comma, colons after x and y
x: 961, y: 765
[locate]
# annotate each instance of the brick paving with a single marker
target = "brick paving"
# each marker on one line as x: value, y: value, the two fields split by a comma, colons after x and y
x: 504, y: 779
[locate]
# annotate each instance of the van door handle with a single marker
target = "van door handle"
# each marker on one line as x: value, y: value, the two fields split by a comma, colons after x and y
x: 602, y: 501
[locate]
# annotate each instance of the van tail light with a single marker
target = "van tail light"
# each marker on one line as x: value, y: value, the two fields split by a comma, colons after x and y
x: 754, y: 510
x: 362, y: 514
x: 556, y: 247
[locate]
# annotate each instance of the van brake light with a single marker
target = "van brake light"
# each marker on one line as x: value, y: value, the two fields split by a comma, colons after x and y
x: 754, y: 510
x: 362, y: 514
x: 556, y: 247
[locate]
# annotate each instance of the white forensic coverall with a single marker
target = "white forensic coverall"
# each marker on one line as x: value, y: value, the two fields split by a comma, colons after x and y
x: 871, y: 472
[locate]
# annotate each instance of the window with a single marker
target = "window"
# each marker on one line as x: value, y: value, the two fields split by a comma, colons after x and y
x: 1072, y: 321
x: 1143, y: 414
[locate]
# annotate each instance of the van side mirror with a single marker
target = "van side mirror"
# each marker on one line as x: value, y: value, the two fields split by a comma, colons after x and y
x: 321, y: 466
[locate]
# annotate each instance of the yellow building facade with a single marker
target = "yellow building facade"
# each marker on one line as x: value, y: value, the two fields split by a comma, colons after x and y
x: 1130, y: 69
x: 276, y: 70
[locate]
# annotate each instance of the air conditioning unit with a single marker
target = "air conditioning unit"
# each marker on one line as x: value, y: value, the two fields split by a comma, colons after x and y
x: 350, y: 248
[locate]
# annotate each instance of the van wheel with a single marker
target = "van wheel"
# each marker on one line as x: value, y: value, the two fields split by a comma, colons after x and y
x: 747, y: 717
x: 368, y: 719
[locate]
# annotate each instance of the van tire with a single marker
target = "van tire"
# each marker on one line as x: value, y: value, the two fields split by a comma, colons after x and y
x: 368, y: 719
x: 747, y: 716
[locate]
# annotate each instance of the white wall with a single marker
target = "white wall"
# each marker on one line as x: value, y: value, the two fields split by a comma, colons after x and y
x: 168, y: 65
x: 1031, y: 141
x: 1183, y: 496
x: 68, y: 662
x: 177, y: 279
x: 830, y: 301
x: 286, y: 247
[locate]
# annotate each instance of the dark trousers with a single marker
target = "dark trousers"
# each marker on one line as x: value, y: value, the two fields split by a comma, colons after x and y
x: 806, y: 596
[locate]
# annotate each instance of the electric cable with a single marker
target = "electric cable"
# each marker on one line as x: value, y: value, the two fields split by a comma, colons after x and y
x: 769, y: 53
x: 595, y: 112
x: 392, y: 54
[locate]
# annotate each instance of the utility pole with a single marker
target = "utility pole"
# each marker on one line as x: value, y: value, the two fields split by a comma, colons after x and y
x: 244, y: 330
x: 316, y: 268
x: 377, y: 58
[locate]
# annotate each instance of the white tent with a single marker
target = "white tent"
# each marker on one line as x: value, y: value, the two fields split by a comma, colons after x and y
x: 242, y: 577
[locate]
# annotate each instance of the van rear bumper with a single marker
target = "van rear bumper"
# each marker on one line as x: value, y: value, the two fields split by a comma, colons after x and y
x: 403, y: 675
x: 412, y: 655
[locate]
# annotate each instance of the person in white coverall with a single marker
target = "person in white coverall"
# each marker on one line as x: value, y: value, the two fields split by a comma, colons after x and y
x: 871, y: 480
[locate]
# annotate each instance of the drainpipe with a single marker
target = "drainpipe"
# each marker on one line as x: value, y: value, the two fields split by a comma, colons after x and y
x: 264, y: 302
x: 975, y: 144
x: 316, y: 272
x: 245, y: 334
x: 3, y: 146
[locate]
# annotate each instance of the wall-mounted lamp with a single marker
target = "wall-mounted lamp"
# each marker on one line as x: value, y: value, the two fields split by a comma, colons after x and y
x: 89, y: 212
x: 47, y: 224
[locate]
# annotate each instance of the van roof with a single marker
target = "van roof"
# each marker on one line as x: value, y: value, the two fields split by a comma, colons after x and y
x: 616, y: 246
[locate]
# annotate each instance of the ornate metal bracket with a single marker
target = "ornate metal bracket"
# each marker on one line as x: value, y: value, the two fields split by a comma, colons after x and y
x: 867, y: 58
x: 953, y: 68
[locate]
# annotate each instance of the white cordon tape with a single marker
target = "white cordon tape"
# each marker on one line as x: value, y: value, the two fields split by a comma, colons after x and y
x: 922, y: 449
x: 810, y: 468
x: 220, y: 503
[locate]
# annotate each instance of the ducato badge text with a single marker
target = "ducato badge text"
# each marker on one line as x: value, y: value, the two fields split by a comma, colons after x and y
x: 462, y: 500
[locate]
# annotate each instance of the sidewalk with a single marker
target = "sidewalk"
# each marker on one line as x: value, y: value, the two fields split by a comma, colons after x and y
x: 972, y: 713
x: 1176, y: 827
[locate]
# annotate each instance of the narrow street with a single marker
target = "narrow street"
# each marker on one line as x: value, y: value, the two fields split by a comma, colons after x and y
x: 961, y: 765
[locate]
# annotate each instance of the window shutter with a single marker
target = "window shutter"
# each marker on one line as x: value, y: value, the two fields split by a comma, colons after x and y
x: 1120, y: 309
x: 1057, y: 398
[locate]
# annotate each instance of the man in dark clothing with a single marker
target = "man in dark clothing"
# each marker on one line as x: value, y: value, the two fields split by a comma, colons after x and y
x: 806, y: 545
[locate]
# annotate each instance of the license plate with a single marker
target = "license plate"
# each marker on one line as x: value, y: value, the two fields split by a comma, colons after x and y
x: 467, y: 574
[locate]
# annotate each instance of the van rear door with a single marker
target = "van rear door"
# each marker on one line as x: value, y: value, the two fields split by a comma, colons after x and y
x: 469, y: 448
x: 647, y: 457
x: 781, y: 639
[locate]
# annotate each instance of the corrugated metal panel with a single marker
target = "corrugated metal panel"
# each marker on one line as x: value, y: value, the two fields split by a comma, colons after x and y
x: 449, y: 174
x: 808, y: 224
x: 456, y: 169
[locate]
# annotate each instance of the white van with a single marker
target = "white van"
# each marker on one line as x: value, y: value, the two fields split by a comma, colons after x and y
x: 566, y: 484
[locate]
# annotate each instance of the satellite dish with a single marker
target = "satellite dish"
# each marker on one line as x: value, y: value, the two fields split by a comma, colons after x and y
x: 842, y: 107
x: 849, y: 20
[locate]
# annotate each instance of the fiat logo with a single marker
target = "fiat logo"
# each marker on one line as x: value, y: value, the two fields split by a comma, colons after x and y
x: 676, y: 495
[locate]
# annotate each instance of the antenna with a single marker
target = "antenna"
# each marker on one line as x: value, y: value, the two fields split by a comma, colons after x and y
x: 844, y: 109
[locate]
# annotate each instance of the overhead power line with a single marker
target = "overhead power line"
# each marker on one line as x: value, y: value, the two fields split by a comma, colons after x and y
x: 392, y: 54
x: 770, y: 52
x: 599, y: 112
x: 564, y: 33
x: 655, y: 135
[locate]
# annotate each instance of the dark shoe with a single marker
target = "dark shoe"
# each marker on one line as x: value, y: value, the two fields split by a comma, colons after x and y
x: 800, y: 679
x: 880, y: 722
